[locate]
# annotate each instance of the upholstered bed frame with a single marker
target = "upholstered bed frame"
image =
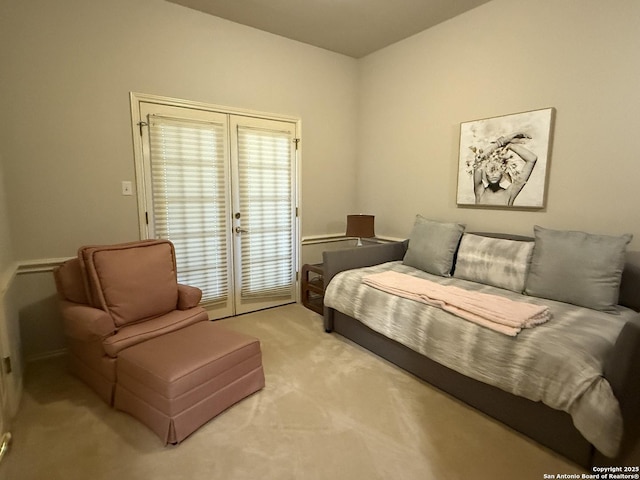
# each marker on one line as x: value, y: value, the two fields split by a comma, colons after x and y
x: 550, y: 427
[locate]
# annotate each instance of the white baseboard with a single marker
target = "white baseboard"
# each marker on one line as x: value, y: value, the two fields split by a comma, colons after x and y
x: 47, y: 355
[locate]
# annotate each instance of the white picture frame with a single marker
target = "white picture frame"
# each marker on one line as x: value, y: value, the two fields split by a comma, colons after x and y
x: 503, y: 161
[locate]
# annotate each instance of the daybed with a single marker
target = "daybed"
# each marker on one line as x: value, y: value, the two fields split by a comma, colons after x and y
x: 571, y: 383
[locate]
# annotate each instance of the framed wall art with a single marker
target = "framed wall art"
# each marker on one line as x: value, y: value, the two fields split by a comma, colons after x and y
x: 503, y: 161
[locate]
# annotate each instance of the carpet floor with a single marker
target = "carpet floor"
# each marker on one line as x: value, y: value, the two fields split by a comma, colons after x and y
x: 330, y: 410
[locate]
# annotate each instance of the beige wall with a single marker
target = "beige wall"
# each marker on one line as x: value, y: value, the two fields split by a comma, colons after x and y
x: 507, y: 56
x: 6, y: 249
x: 68, y: 67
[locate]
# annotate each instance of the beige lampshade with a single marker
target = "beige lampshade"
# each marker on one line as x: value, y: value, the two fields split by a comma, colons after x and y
x: 361, y: 226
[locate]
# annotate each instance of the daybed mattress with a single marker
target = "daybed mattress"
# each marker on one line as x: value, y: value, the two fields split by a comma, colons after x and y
x: 559, y: 363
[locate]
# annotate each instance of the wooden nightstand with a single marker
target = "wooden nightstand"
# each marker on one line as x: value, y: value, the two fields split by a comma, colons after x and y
x: 312, y: 287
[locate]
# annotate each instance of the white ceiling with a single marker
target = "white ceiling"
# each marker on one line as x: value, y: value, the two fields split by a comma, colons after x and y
x: 351, y: 27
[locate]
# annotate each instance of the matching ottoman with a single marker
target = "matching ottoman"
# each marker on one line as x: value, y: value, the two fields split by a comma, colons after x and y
x: 177, y: 382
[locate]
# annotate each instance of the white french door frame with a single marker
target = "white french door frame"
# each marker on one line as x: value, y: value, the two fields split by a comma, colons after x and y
x: 142, y: 189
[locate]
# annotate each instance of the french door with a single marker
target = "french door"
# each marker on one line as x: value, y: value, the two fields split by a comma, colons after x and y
x: 222, y: 188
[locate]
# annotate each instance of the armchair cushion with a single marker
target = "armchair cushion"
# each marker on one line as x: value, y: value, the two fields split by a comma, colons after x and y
x: 133, y: 281
x: 130, y: 335
x: 85, y: 260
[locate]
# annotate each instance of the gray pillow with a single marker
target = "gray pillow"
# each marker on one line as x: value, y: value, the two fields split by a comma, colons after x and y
x: 493, y: 261
x: 432, y: 246
x: 577, y: 267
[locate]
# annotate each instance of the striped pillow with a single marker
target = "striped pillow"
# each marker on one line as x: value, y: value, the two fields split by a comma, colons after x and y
x: 494, y: 261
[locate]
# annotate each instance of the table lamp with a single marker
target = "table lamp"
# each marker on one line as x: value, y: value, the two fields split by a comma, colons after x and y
x: 360, y: 226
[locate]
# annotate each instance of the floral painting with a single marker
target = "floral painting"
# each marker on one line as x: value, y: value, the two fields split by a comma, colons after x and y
x: 503, y: 161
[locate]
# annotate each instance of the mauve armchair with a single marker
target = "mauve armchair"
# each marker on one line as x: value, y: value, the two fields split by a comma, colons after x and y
x: 117, y: 296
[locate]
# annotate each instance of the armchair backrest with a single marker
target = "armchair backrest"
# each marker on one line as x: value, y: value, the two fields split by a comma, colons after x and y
x: 131, y: 281
x: 69, y: 281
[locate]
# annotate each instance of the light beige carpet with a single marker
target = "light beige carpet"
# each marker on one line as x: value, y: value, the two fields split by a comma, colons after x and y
x: 330, y: 410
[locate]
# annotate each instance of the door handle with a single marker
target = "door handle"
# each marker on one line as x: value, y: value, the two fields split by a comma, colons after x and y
x: 240, y: 230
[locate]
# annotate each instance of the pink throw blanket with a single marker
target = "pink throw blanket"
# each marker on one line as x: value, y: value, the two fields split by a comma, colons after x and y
x: 491, y: 311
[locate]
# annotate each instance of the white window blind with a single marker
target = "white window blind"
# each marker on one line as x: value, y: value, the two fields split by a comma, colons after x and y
x: 265, y: 193
x: 188, y: 159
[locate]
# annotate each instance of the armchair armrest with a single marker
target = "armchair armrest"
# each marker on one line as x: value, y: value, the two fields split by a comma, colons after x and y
x: 85, y: 323
x: 188, y: 297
